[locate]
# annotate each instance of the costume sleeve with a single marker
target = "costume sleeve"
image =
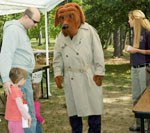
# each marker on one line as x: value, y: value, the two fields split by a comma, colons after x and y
x: 9, y: 45
x: 57, y: 60
x: 98, y: 55
x: 37, y: 112
x: 22, y: 109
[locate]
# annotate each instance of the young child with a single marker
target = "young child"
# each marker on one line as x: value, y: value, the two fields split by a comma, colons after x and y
x: 14, y: 104
x: 40, y: 119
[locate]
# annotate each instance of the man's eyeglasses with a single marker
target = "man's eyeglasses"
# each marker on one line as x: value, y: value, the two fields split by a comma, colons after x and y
x: 34, y: 21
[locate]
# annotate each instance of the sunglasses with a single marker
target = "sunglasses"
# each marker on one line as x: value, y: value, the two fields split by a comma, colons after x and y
x: 34, y: 21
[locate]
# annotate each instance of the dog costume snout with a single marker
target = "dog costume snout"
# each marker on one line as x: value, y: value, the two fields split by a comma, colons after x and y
x: 69, y: 16
x: 65, y: 26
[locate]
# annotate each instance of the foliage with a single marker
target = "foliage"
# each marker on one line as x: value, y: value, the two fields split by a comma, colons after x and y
x: 3, y: 19
x: 105, y: 15
x: 53, y: 30
x: 108, y: 15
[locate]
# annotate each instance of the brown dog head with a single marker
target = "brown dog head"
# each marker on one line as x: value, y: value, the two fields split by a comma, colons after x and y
x: 69, y: 16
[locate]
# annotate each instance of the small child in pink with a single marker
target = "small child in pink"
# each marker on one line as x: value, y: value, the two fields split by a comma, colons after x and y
x: 40, y: 119
x: 14, y: 104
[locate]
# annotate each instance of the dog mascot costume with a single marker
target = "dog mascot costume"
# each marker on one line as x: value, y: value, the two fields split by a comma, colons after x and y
x: 79, y: 66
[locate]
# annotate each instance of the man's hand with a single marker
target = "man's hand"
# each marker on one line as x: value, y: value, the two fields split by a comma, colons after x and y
x: 6, y: 87
x: 98, y: 79
x: 59, y: 81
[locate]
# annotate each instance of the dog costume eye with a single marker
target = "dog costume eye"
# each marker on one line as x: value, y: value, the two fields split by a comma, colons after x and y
x: 70, y: 16
x: 62, y: 17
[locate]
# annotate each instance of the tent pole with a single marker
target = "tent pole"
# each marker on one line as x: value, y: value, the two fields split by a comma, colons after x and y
x: 47, y: 53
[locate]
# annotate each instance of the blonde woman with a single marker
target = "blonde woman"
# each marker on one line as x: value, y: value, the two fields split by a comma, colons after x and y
x: 139, y: 56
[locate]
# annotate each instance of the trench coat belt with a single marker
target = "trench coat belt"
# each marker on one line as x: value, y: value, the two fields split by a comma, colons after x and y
x: 75, y: 69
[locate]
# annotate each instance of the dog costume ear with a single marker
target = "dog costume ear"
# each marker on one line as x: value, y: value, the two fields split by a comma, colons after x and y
x: 81, y: 13
x: 57, y: 16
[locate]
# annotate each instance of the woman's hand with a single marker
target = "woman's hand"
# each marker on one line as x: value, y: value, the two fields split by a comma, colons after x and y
x: 131, y: 50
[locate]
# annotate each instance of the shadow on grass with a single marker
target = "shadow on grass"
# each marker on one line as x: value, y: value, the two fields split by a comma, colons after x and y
x: 117, y: 77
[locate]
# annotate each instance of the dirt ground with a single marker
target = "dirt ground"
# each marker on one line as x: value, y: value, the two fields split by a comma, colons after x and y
x: 118, y: 114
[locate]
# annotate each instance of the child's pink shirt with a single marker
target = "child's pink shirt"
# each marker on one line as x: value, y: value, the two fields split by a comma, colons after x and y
x: 37, y: 111
x: 12, y: 112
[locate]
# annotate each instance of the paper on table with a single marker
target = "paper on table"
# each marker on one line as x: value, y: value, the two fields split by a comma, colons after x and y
x: 37, y: 76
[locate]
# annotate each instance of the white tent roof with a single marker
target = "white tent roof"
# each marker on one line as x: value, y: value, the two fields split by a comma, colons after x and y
x: 16, y: 6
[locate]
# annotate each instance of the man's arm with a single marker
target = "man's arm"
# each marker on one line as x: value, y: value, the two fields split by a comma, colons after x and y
x: 9, y: 46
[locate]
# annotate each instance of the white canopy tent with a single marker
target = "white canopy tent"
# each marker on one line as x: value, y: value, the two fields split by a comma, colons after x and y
x: 17, y: 6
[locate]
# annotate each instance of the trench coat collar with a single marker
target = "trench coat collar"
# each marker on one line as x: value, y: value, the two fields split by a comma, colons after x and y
x: 84, y: 26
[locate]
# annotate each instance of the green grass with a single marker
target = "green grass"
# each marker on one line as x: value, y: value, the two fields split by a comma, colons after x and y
x: 35, y: 45
x: 117, y: 77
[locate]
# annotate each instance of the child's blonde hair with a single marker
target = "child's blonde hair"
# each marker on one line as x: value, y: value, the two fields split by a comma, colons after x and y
x: 16, y: 74
x: 140, y: 21
x: 36, y: 91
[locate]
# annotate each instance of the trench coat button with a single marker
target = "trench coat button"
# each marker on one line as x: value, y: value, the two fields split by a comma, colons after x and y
x: 77, y: 53
x: 67, y: 55
x: 81, y: 70
x: 71, y: 78
x: 69, y: 68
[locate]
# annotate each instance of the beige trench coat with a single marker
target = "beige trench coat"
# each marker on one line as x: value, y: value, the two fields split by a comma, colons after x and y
x: 78, y: 60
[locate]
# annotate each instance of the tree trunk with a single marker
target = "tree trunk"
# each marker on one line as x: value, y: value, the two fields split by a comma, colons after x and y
x: 123, y: 33
x: 117, y: 46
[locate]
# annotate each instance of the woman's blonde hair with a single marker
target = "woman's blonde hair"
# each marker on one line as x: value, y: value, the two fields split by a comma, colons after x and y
x: 140, y: 21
